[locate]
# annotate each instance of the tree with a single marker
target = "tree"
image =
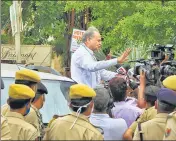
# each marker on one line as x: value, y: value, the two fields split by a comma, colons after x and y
x: 136, y: 24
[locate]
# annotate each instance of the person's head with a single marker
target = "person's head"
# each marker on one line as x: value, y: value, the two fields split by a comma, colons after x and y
x: 101, y: 100
x: 170, y: 82
x: 39, y: 99
x: 166, y: 100
x: 28, y: 78
x: 20, y: 97
x: 118, y: 89
x: 92, y: 38
x: 81, y: 99
x: 150, y: 94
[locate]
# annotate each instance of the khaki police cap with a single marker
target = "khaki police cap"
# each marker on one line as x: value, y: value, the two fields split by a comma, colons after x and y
x: 26, y: 74
x: 19, y: 91
x: 81, y: 90
x: 170, y: 82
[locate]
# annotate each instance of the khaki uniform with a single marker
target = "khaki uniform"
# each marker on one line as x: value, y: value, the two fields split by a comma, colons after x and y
x: 153, y: 129
x: 19, y: 128
x: 82, y: 129
x: 5, y: 130
x: 148, y: 114
x: 170, y: 132
x: 4, y: 109
x: 35, y: 118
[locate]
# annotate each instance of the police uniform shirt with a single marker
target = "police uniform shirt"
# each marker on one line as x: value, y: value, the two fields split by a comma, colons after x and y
x: 170, y: 131
x: 148, y: 114
x: 60, y: 129
x: 4, y: 109
x: 35, y: 119
x: 5, y: 130
x: 19, y: 128
x: 153, y: 129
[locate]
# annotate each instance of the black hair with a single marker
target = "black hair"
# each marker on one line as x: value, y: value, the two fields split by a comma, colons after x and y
x: 80, y: 102
x: 150, y: 94
x: 25, y: 82
x: 150, y: 99
x: 17, y: 103
x: 118, y: 89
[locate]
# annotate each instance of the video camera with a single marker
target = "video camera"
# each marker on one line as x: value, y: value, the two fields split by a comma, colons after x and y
x: 153, y: 69
x: 168, y: 68
x: 162, y: 50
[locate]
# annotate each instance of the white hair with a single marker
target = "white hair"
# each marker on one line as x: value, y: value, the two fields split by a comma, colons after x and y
x: 89, y: 33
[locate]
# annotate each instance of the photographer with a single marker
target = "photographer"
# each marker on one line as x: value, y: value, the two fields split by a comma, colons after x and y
x: 123, y: 109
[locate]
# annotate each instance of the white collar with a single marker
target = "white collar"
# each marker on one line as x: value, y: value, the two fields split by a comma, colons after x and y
x: 88, y: 49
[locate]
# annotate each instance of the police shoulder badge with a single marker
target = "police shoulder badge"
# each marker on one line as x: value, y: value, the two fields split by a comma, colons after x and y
x: 167, y: 132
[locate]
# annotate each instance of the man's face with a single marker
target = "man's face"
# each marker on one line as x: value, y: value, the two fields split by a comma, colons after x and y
x: 41, y: 101
x: 94, y: 43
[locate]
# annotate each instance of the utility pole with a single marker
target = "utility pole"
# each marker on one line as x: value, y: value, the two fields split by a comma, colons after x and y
x: 17, y: 5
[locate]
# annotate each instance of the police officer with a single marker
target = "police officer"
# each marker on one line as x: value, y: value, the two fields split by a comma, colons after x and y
x: 5, y: 130
x: 170, y: 131
x: 76, y: 126
x: 25, y: 77
x: 154, y: 129
x: 35, y: 117
x: 149, y: 113
x: 20, y: 97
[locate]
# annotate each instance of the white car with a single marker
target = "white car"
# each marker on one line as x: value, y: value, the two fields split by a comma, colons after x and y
x: 58, y: 86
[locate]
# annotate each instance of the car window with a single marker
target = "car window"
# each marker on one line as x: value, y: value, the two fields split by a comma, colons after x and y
x: 55, y: 102
x: 65, y: 86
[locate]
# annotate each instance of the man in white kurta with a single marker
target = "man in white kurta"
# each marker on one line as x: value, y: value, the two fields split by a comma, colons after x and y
x: 85, y: 68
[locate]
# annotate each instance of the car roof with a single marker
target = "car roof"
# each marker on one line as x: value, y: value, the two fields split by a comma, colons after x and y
x: 53, y: 71
x: 9, y: 70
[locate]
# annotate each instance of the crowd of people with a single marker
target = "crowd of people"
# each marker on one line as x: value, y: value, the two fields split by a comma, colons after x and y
x: 103, y: 106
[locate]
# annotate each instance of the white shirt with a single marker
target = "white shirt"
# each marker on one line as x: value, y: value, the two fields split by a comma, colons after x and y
x: 87, y: 70
x: 113, y: 128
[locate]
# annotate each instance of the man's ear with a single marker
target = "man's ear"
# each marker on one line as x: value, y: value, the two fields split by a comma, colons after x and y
x: 91, y: 104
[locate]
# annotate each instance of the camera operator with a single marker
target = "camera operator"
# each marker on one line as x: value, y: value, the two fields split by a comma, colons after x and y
x: 122, y: 109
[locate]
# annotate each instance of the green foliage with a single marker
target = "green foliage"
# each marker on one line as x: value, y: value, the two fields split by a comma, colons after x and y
x: 135, y: 24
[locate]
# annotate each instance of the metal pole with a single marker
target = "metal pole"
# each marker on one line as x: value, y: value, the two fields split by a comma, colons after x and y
x: 17, y: 35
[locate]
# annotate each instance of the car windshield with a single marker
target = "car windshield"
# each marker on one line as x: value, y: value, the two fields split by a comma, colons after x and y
x: 55, y: 103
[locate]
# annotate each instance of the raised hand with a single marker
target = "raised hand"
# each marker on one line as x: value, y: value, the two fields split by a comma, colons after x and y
x: 124, y: 56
